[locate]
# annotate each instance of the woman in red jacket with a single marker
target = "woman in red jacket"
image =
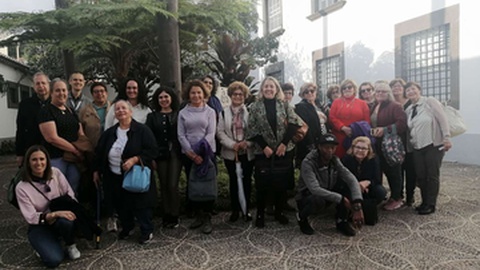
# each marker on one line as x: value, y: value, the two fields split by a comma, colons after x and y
x: 346, y: 110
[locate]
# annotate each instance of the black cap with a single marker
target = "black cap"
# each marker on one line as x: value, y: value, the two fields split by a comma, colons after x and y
x: 326, y: 139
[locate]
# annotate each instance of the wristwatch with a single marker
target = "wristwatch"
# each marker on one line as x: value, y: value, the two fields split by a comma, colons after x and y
x: 356, y: 207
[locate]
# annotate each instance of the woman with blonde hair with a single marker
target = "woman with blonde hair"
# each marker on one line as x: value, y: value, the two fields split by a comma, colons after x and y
x: 272, y: 124
x: 360, y: 160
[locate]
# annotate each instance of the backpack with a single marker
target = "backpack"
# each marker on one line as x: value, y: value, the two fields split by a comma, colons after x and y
x: 11, y: 195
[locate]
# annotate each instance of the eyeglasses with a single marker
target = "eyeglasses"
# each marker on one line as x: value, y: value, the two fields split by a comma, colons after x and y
x: 237, y: 95
x: 349, y: 87
x: 309, y: 91
x: 365, y: 90
x: 361, y: 148
x: 98, y: 91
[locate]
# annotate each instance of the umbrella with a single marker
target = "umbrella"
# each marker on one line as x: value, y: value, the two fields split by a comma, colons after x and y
x: 241, y: 193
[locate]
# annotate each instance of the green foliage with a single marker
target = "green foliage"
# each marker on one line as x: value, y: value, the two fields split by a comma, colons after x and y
x: 45, y: 57
x: 7, y: 147
x: 117, y: 39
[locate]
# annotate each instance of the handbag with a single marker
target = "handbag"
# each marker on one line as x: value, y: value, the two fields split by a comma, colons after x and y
x: 84, y: 223
x: 456, y: 123
x: 202, y: 187
x: 11, y: 195
x: 392, y: 147
x: 273, y: 172
x: 83, y: 145
x: 137, y: 179
x: 301, y: 132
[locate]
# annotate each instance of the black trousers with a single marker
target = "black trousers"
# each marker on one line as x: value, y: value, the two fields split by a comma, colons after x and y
x: 309, y: 203
x: 247, y: 168
x: 272, y: 177
x: 428, y: 161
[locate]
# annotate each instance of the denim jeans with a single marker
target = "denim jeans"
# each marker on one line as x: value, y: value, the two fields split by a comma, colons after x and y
x: 70, y: 171
x: 45, y: 240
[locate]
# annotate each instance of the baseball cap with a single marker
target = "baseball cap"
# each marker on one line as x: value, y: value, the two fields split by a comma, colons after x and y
x: 327, y: 138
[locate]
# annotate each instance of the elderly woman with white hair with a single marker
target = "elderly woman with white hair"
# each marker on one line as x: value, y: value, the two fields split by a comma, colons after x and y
x: 387, y: 115
x: 120, y: 147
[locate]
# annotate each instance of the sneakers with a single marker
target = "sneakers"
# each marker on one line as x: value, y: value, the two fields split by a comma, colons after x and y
x: 112, y: 224
x: 247, y: 217
x: 346, y: 228
x: 123, y: 235
x: 73, y: 252
x: 393, y: 205
x: 281, y: 218
x: 305, y: 226
x: 260, y: 221
x: 197, y: 223
x: 144, y: 239
x: 234, y: 216
x: 170, y: 222
x: 207, y: 226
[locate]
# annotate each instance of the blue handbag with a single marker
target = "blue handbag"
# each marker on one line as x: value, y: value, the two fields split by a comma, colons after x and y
x: 137, y: 179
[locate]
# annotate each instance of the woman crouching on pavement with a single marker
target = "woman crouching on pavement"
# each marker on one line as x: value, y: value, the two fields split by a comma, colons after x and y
x: 41, y: 183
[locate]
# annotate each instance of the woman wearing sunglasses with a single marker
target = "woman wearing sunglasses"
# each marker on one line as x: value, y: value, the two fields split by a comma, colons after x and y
x: 346, y: 110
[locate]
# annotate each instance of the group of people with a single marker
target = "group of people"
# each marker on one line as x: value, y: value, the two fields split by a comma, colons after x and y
x: 339, y: 155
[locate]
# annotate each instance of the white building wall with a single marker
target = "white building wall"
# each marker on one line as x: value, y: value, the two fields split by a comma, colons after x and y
x: 372, y: 23
x: 8, y: 116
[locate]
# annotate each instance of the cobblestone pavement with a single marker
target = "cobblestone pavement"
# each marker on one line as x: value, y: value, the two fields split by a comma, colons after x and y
x: 448, y: 239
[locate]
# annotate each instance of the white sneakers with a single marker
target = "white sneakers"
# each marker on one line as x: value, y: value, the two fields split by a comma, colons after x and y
x: 73, y: 252
x: 112, y: 224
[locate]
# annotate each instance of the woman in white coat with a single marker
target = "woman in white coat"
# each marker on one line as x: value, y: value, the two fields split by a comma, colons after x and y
x: 231, y: 130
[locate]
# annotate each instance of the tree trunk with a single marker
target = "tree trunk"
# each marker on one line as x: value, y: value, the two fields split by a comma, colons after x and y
x: 68, y: 57
x: 169, y: 48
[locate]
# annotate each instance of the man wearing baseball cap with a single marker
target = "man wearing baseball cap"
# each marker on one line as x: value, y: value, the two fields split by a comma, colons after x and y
x: 324, y: 180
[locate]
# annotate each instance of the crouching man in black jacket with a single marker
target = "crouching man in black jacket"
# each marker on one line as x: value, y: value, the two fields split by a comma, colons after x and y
x: 319, y: 185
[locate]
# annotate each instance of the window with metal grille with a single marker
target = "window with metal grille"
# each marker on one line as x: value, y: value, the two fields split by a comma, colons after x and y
x: 329, y: 71
x: 274, y: 15
x: 426, y: 60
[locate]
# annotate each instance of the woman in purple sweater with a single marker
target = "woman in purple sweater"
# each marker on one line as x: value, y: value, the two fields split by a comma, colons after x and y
x: 197, y: 121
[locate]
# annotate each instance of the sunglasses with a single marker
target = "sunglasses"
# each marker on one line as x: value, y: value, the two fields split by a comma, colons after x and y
x: 349, y: 87
x: 366, y: 90
x: 309, y: 91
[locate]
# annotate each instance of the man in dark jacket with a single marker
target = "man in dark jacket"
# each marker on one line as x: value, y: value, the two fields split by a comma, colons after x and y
x: 319, y: 185
x: 28, y: 133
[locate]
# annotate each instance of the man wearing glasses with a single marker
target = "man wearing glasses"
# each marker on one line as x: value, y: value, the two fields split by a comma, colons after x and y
x: 324, y: 180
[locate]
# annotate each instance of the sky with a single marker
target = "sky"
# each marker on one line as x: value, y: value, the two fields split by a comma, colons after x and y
x: 26, y: 5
